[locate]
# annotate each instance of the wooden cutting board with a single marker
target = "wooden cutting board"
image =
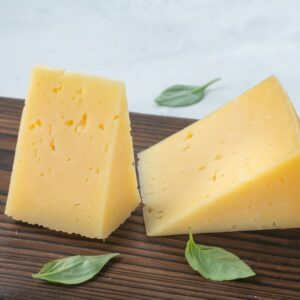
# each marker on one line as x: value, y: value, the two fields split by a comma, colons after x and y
x: 149, y: 267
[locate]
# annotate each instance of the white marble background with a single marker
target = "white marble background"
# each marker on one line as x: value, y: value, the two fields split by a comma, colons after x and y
x: 153, y: 44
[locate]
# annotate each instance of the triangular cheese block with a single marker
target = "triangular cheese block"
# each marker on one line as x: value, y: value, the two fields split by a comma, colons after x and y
x: 74, y: 164
x: 236, y: 169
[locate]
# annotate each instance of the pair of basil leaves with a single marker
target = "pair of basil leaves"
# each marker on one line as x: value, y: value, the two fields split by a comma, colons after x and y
x: 212, y: 263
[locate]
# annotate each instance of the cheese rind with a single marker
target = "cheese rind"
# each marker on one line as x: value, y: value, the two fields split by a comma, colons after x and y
x: 66, y: 155
x: 237, y: 169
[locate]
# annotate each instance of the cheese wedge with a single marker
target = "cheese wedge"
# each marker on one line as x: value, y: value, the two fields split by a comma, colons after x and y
x: 236, y: 169
x: 74, y: 164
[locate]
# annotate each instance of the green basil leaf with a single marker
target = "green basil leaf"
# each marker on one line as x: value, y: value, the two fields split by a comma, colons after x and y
x: 182, y: 95
x: 215, y: 263
x: 74, y: 269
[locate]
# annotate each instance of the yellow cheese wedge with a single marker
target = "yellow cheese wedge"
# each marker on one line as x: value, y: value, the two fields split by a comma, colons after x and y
x: 236, y: 169
x: 74, y: 164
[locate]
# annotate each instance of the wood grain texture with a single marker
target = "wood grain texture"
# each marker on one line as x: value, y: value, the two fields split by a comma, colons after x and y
x: 149, y: 267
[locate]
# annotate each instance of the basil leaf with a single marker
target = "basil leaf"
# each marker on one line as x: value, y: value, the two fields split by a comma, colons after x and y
x: 74, y: 269
x: 215, y: 263
x: 183, y: 95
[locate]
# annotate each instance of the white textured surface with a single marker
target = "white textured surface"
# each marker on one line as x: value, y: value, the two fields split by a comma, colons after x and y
x: 153, y: 44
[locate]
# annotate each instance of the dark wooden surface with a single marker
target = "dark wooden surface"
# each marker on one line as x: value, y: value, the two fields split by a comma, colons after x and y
x: 149, y: 267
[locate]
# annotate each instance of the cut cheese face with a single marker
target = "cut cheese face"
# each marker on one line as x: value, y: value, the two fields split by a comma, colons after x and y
x: 236, y: 169
x: 74, y: 164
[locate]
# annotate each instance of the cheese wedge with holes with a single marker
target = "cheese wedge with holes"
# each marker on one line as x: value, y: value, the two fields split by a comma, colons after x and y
x: 236, y: 169
x: 74, y: 164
